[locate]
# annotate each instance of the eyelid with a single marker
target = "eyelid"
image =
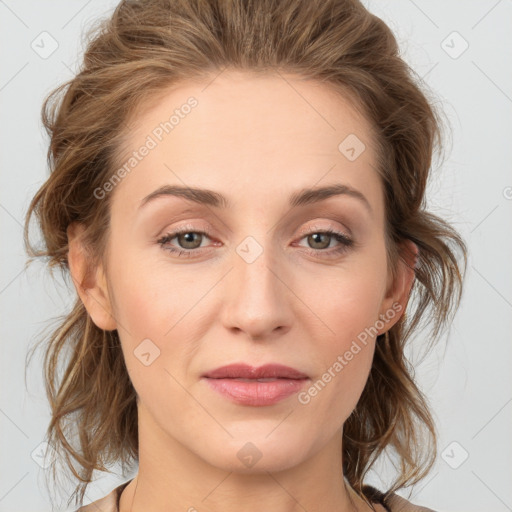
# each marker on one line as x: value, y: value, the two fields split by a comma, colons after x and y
x: 346, y: 242
x: 185, y: 228
x: 315, y: 228
x: 304, y: 231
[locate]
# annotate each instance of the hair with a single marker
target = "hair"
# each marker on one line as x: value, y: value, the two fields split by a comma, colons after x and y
x: 132, y: 58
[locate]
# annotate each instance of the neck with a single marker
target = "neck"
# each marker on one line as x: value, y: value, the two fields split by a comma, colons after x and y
x: 172, y: 477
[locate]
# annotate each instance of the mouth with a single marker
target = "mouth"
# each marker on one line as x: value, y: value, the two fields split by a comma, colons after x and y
x: 246, y: 385
x: 245, y: 371
x: 269, y: 379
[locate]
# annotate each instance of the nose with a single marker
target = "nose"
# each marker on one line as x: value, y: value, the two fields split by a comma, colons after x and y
x: 257, y: 297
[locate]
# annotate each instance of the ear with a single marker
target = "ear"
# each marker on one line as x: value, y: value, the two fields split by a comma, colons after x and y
x: 397, y: 295
x: 90, y: 283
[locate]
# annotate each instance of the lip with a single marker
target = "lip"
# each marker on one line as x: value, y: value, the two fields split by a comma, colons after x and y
x: 245, y: 371
x: 239, y: 383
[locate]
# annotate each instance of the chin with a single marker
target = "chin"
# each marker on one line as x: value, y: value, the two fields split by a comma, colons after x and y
x: 251, y: 454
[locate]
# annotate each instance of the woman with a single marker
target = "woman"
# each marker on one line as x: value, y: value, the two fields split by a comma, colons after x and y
x: 238, y: 194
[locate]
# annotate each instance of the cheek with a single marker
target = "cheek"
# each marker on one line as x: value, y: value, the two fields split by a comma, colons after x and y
x: 145, y: 297
x: 153, y: 309
x: 347, y: 360
x: 348, y: 307
x: 140, y: 313
x: 349, y: 303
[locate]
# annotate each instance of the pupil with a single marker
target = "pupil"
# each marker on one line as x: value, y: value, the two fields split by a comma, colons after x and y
x: 317, y: 239
x: 189, y: 239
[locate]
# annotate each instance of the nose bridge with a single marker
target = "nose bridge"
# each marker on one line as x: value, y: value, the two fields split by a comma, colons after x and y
x: 255, y: 300
x: 255, y: 268
x: 255, y: 262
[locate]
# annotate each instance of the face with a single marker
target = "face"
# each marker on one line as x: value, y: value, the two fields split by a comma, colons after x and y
x: 255, y: 277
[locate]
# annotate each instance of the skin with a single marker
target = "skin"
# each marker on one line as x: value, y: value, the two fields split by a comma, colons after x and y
x: 256, y: 140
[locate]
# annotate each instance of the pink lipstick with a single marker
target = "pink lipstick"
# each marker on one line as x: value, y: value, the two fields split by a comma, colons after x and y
x: 247, y: 385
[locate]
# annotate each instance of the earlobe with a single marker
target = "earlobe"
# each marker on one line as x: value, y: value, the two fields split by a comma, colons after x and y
x: 90, y: 283
x: 400, y: 289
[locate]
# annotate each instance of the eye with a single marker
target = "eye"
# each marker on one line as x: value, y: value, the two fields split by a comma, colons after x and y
x: 187, y: 238
x: 189, y: 242
x: 321, y: 240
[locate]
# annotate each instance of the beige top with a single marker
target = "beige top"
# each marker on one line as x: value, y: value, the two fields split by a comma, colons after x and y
x: 110, y: 503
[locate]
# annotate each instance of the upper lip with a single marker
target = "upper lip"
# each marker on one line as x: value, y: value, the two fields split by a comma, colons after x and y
x: 245, y: 371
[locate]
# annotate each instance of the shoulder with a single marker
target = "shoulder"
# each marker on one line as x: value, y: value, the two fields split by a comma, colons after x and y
x: 105, y: 504
x: 108, y: 503
x: 398, y: 504
x: 393, y: 502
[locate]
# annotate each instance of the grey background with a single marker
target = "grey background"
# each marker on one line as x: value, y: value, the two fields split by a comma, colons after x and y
x: 467, y: 379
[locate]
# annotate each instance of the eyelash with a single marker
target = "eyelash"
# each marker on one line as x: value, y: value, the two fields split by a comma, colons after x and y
x: 344, y: 240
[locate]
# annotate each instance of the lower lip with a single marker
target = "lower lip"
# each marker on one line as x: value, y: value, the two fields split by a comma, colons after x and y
x: 256, y: 393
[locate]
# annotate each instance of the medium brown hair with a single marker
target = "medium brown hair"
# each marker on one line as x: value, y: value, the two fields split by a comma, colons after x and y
x: 134, y: 56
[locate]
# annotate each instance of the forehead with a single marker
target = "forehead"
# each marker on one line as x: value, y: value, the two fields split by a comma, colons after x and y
x: 238, y: 104
x: 244, y: 131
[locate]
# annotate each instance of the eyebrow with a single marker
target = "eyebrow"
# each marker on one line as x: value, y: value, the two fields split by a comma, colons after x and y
x: 303, y: 197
